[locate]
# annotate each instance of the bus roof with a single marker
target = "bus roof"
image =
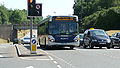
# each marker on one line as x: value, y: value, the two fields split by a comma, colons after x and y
x: 51, y: 17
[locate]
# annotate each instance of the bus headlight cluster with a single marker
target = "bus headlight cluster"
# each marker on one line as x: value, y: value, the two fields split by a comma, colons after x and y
x: 77, y: 38
x: 50, y: 38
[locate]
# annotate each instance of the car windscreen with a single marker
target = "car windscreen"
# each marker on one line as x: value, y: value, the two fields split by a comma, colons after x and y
x: 81, y: 36
x: 98, y: 32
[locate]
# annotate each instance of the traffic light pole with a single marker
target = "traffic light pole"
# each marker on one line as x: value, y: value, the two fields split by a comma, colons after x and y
x: 34, y: 10
x: 33, y: 45
x: 31, y: 27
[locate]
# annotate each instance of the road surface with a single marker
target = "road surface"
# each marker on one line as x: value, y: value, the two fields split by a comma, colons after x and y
x: 61, y: 58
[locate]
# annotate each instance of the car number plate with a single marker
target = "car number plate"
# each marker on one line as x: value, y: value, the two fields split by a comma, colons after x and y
x: 102, y: 43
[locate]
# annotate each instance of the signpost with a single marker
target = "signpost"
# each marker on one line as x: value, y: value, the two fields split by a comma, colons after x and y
x: 33, y: 46
x: 34, y: 10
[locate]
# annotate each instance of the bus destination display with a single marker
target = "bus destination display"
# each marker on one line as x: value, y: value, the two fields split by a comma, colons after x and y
x: 63, y: 18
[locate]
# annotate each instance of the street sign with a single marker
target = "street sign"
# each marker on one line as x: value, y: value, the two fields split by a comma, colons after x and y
x: 33, y: 41
x: 33, y: 46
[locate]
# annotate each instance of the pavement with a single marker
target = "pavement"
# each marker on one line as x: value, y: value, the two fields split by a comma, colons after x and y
x: 24, y: 51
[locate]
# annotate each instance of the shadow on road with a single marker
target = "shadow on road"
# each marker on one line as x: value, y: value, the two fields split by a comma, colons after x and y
x: 54, y: 48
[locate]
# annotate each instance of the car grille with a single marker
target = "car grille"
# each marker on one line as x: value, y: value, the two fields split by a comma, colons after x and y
x: 102, y: 40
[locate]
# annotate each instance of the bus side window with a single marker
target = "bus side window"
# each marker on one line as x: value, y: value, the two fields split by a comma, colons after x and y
x: 47, y: 30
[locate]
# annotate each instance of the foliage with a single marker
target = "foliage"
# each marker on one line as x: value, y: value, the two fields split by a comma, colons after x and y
x: 4, y: 19
x: 106, y: 19
x: 98, y: 13
x: 16, y: 16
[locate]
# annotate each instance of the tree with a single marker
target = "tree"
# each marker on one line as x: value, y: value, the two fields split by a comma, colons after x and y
x: 106, y: 19
x: 88, y: 7
x: 3, y: 15
x: 98, y: 13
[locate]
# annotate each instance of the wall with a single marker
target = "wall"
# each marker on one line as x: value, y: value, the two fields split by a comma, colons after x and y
x: 6, y: 31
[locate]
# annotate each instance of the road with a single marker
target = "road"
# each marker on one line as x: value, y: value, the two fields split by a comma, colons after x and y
x: 86, y: 58
x: 61, y: 58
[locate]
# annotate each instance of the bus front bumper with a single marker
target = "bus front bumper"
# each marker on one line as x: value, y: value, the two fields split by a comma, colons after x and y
x: 63, y: 44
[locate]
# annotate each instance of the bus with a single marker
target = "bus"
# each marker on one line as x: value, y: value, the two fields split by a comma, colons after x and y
x: 59, y: 31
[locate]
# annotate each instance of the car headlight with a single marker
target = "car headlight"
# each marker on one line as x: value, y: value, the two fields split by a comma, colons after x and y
x: 108, y: 40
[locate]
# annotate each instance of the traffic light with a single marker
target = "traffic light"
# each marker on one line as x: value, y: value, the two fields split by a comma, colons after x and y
x: 38, y: 9
x: 34, y: 9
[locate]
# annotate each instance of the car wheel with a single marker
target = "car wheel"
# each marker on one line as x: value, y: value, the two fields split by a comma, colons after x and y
x: 100, y: 47
x: 90, y: 45
x: 84, y: 46
x: 86, y: 43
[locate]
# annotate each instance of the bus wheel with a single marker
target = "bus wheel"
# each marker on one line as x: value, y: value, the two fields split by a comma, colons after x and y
x: 46, y: 47
x: 71, y: 47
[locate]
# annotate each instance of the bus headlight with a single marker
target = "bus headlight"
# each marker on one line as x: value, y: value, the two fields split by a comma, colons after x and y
x: 76, y: 40
x: 50, y: 38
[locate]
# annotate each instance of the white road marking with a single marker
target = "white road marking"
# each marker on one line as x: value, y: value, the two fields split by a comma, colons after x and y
x: 64, y: 61
x: 55, y: 62
x: 1, y: 56
x: 50, y: 58
x: 32, y: 58
x: 59, y: 66
x: 30, y: 67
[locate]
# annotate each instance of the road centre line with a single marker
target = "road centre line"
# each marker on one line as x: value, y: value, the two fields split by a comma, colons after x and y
x: 55, y: 62
x: 64, y: 61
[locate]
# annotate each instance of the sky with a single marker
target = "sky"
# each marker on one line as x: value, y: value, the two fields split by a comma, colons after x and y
x: 50, y: 7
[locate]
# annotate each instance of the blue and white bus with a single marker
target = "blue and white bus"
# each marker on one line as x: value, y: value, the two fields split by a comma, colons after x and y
x: 59, y: 31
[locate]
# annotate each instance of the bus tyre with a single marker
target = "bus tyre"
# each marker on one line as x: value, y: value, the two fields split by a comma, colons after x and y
x: 71, y: 47
x: 46, y: 47
x: 108, y: 47
x: 112, y: 46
